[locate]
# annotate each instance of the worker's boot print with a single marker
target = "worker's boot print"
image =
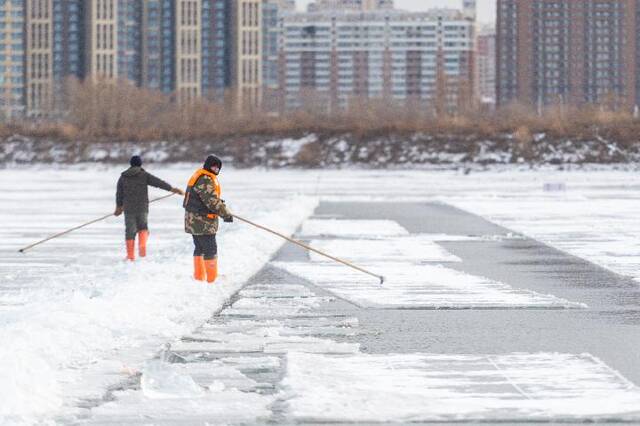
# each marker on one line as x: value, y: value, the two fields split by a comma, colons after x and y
x: 199, y: 272
x: 131, y: 250
x: 143, y: 236
x: 211, y: 266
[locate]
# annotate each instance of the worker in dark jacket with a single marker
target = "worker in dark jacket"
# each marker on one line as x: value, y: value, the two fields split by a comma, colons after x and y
x: 132, y: 199
x: 203, y: 205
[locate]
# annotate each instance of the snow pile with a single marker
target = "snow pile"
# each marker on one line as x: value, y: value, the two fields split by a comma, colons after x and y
x: 91, y: 320
x: 420, y: 387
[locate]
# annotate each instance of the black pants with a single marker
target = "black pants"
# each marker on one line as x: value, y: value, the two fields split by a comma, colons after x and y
x: 134, y: 223
x: 205, y: 246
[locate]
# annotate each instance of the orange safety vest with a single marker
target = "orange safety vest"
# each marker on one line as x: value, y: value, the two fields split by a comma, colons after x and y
x: 192, y: 201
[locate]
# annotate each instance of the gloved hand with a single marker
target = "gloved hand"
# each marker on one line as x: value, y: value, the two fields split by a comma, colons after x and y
x: 177, y: 191
x: 228, y: 219
x: 118, y: 211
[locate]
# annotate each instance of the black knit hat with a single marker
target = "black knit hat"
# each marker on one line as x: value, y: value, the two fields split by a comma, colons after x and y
x: 136, y: 161
x: 211, y: 162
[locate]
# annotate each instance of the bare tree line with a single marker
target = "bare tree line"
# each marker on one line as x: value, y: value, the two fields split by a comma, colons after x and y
x: 107, y: 111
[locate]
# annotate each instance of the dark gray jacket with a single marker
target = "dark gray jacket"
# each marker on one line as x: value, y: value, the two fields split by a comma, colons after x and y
x: 133, y: 192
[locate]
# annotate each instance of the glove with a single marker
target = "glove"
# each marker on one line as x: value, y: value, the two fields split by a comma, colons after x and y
x: 177, y: 191
x: 228, y: 219
x: 118, y: 211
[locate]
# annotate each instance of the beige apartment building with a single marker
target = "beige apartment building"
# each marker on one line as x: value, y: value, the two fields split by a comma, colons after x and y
x: 188, y: 51
x: 102, y: 39
x: 246, y: 68
x: 39, y: 56
x: 11, y: 59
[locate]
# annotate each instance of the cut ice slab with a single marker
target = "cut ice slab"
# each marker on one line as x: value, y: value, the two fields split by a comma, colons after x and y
x: 218, y: 406
x: 351, y: 228
x: 414, y: 286
x: 162, y: 380
x: 420, y: 387
x: 399, y: 249
x: 258, y: 340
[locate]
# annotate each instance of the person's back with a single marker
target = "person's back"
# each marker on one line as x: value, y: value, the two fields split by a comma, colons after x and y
x: 135, y: 183
x: 132, y: 199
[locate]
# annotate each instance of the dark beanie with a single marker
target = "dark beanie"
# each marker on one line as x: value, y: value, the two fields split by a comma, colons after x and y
x: 212, y: 161
x: 136, y: 161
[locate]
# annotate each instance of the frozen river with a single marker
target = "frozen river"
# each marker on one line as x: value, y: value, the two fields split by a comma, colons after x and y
x: 82, y: 322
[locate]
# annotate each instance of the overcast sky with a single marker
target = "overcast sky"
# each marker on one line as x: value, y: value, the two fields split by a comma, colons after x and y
x: 486, y: 8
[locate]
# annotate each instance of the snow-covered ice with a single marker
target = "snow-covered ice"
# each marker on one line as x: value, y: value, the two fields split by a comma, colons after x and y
x: 417, y: 248
x: 351, y: 228
x: 266, y: 323
x: 601, y: 228
x: 413, y: 286
x: 79, y: 320
x: 230, y: 389
x: 423, y: 387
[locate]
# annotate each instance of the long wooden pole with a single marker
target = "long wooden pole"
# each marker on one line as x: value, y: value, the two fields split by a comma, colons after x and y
x: 75, y: 228
x: 307, y: 247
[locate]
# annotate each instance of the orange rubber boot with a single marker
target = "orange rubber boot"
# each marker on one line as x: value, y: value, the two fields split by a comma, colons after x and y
x: 131, y: 250
x: 143, y: 236
x: 211, y: 266
x: 199, y: 273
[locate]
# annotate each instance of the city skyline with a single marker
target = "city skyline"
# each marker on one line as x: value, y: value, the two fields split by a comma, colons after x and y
x: 486, y: 8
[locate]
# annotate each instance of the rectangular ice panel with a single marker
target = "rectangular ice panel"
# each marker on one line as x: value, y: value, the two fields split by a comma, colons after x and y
x: 398, y: 249
x: 414, y: 286
x: 487, y: 388
x: 351, y: 228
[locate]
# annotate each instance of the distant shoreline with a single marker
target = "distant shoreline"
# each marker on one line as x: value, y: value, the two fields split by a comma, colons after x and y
x: 315, y: 150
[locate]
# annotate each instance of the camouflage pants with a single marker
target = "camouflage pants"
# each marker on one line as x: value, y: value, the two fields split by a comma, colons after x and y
x: 134, y: 223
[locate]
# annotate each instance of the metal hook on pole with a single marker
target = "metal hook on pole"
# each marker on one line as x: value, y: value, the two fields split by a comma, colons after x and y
x: 308, y: 247
x: 75, y: 228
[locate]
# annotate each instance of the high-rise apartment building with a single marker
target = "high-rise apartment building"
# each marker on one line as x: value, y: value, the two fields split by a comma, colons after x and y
x: 272, y: 11
x: 68, y: 46
x: 54, y: 34
x: 39, y: 56
x: 12, y: 58
x: 422, y: 58
x: 101, y: 39
x: 216, y: 48
x: 185, y: 47
x: 158, y: 45
x: 130, y: 40
x: 188, y: 50
x: 180, y: 47
x: 485, y: 66
x: 568, y: 52
x: 246, y: 68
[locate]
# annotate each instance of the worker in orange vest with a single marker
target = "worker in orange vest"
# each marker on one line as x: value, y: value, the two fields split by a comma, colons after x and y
x: 203, y: 206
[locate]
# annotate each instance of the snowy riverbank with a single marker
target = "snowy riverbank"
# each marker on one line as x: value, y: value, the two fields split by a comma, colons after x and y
x: 341, y: 150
